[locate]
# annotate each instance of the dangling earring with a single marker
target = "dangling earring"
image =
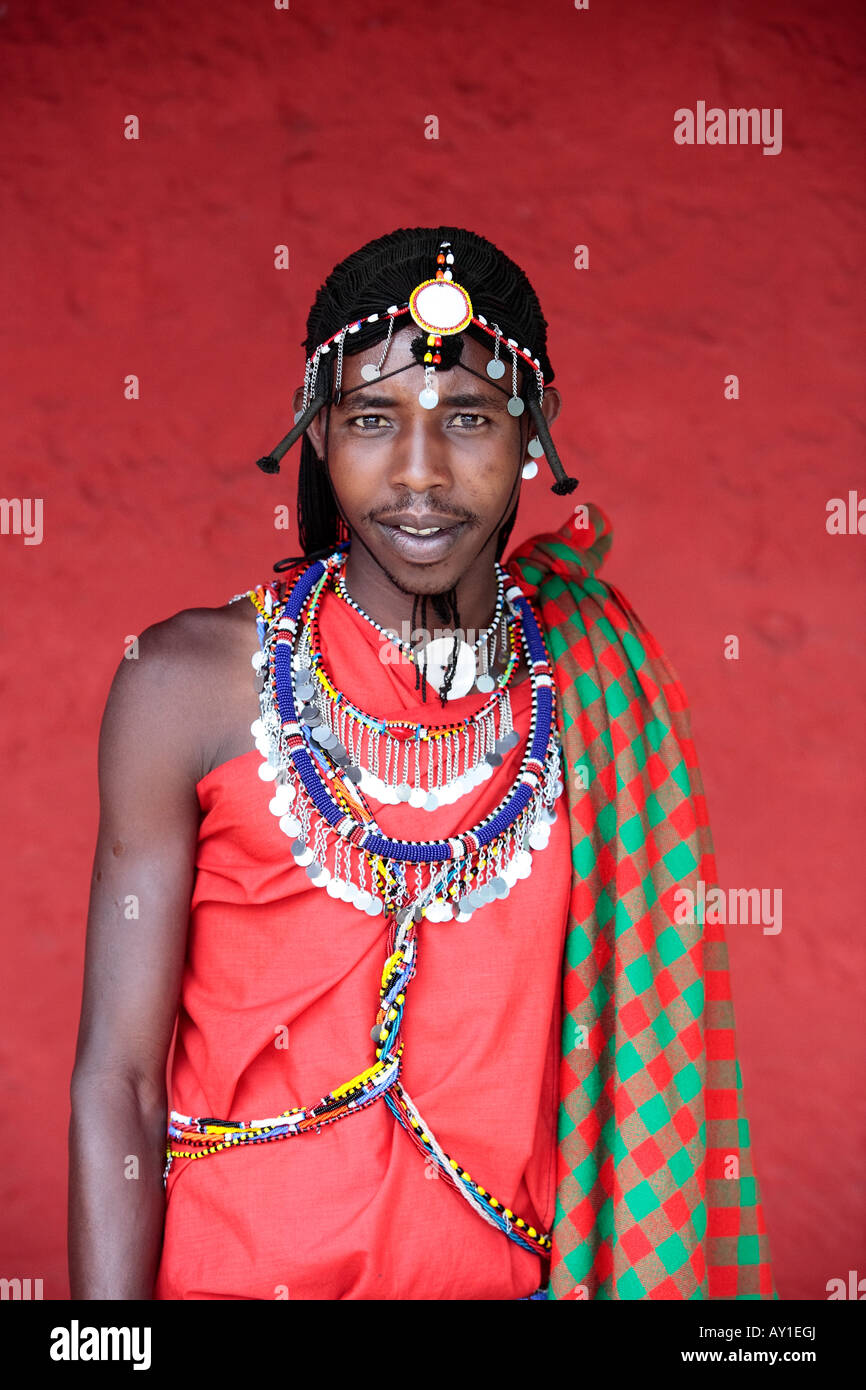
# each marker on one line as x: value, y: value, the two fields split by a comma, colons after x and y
x: 530, y: 468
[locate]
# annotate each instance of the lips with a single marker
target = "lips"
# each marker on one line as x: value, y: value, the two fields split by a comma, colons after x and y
x: 423, y: 548
x: 420, y: 521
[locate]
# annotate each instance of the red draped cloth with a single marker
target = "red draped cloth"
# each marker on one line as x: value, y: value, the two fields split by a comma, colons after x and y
x: 279, y: 996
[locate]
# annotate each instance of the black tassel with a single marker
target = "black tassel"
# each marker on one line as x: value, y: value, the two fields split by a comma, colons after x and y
x: 563, y: 483
x: 271, y: 462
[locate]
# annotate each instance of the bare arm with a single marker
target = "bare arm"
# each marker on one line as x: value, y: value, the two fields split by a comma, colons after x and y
x: 149, y: 762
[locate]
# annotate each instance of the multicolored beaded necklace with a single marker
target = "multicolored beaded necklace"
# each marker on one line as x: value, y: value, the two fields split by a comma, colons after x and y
x: 463, y: 872
x: 459, y: 756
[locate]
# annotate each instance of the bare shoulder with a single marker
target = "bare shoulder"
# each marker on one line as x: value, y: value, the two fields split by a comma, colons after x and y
x: 193, y: 642
x: 207, y: 634
x: 189, y: 683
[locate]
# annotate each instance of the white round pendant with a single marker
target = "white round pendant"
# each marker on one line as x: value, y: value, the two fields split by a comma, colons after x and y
x: 440, y: 306
x: 436, y: 657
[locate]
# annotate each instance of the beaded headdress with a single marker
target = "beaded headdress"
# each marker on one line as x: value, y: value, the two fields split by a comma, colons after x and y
x: 443, y: 309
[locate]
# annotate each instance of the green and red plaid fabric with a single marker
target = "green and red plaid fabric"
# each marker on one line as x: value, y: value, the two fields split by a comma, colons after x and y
x: 657, y: 1196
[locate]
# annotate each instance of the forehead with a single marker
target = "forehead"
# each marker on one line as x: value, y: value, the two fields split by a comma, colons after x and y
x: 405, y: 384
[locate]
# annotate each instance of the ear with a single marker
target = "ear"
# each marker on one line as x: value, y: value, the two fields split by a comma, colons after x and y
x: 550, y: 408
x: 315, y: 431
x: 551, y: 405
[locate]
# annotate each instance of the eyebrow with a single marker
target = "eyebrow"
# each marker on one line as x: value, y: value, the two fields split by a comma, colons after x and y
x: 367, y: 399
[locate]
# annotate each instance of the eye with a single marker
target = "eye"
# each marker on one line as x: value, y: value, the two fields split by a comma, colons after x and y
x: 357, y: 418
x: 466, y: 416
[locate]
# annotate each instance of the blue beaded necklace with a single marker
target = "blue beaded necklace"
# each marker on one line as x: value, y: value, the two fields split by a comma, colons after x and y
x: 525, y: 812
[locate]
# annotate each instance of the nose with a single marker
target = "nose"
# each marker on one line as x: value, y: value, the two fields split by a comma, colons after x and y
x: 420, y: 458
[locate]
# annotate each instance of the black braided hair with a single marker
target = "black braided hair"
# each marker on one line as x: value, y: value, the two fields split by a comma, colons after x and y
x: 382, y: 273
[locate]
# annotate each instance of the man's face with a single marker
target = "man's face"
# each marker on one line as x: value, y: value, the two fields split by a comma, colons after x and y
x: 457, y: 466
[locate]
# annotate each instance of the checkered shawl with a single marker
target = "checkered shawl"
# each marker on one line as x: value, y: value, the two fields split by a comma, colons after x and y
x: 656, y: 1194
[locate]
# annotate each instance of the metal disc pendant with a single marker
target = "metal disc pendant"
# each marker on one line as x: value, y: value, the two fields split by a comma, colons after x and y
x: 370, y: 371
x: 496, y: 368
x: 535, y: 448
x: 485, y: 683
x: 436, y: 657
x: 515, y: 406
x: 428, y: 398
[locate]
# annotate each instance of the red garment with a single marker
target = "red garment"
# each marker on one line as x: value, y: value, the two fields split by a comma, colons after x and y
x: 351, y: 1212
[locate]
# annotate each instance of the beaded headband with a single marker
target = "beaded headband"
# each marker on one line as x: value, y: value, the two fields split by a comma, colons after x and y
x: 442, y: 308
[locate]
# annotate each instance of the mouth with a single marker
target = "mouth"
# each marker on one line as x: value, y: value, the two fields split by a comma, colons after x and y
x: 424, y: 548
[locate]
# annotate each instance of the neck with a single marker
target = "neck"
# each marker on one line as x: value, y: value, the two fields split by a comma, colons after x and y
x: 386, y: 599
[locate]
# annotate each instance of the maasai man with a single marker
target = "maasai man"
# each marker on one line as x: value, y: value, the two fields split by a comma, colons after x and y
x: 523, y: 1080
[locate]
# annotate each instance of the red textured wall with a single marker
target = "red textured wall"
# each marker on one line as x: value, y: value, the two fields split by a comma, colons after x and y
x: 306, y: 127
